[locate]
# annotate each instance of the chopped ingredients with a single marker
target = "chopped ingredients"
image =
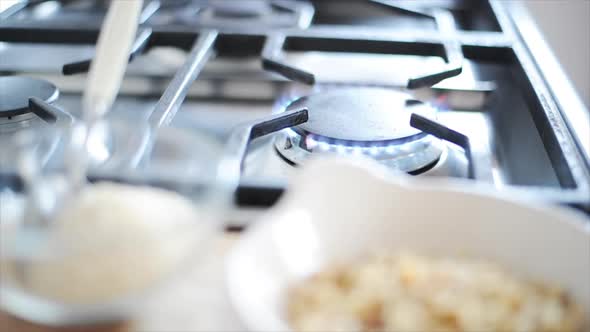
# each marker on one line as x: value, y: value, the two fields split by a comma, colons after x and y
x: 410, y: 292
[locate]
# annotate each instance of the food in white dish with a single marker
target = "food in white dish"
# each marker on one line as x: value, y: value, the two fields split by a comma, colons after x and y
x: 411, y: 292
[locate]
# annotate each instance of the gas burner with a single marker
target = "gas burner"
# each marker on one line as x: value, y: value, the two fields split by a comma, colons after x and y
x: 22, y: 99
x: 240, y: 9
x: 25, y: 106
x: 222, y: 10
x: 15, y: 92
x: 222, y: 14
x: 362, y: 121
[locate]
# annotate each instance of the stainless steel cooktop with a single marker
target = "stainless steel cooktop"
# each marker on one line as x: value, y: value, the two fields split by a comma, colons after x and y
x: 432, y: 88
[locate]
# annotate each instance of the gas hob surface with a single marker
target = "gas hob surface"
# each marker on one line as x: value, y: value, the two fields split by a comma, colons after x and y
x: 430, y: 88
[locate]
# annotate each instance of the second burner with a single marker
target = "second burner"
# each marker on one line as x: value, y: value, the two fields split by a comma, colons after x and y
x: 364, y: 121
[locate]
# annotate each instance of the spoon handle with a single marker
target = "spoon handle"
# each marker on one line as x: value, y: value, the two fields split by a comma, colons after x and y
x: 104, y: 80
x: 112, y: 55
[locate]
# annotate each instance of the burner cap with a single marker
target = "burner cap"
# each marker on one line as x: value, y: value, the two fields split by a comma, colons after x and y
x: 360, y: 114
x: 15, y: 92
x: 240, y: 9
x: 176, y: 3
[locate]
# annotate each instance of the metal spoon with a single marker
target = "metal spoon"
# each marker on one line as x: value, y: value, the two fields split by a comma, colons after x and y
x: 103, y: 83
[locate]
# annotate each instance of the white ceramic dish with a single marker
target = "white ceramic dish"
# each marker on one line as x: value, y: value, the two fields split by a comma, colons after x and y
x: 338, y: 209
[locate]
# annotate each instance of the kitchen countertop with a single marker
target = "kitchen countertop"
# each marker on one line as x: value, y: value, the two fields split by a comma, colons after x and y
x: 198, y: 302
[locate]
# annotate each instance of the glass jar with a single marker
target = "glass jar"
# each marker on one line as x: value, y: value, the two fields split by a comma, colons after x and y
x: 93, y: 255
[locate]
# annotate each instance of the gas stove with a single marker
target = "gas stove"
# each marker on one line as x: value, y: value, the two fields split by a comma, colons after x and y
x: 431, y: 88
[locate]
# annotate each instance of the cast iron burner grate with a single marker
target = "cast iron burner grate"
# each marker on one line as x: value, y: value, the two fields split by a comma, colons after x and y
x: 503, y: 47
x: 270, y: 48
x: 202, y: 14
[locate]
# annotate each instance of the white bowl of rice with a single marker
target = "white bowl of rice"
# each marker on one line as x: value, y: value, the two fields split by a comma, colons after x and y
x: 353, y: 247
